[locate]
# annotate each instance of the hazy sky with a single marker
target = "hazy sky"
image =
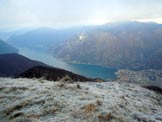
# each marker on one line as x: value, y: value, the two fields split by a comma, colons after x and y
x: 64, y: 13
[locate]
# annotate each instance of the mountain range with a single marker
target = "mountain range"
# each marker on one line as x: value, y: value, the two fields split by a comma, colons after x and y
x: 43, y: 39
x: 124, y: 45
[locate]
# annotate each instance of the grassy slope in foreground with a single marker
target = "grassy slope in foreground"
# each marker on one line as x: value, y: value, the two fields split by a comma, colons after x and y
x: 39, y: 100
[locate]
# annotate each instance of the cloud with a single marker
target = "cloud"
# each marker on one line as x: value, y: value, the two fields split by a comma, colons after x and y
x: 157, y: 20
x: 61, y: 13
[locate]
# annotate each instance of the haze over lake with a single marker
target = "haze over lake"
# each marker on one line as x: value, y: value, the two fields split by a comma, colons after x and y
x: 92, y: 71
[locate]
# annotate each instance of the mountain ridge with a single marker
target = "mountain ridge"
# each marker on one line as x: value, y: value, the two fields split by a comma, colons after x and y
x: 7, y: 48
x: 132, y: 45
x: 52, y: 74
x: 13, y: 64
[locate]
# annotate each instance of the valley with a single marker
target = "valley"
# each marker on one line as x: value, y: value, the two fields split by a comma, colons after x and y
x: 94, y: 51
x: 80, y: 61
x: 92, y: 71
x: 124, y: 45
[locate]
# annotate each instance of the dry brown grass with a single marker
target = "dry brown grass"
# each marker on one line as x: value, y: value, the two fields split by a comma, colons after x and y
x: 99, y: 80
x: 123, y: 97
x: 90, y: 108
x: 14, y: 89
x: 23, y: 103
x: 36, y: 115
x: 51, y: 110
x: 61, y: 85
x: 105, y: 117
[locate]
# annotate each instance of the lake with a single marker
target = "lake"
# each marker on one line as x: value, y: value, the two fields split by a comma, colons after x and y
x: 91, y: 71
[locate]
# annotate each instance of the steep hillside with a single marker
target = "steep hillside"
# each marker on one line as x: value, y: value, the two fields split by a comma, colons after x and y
x: 14, y: 64
x: 51, y: 73
x: 29, y: 100
x: 131, y: 45
x: 7, y: 48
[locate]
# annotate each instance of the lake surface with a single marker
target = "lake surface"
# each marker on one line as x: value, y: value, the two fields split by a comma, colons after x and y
x: 91, y: 71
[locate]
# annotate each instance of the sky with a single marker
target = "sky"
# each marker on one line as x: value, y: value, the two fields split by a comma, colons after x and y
x: 67, y: 13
